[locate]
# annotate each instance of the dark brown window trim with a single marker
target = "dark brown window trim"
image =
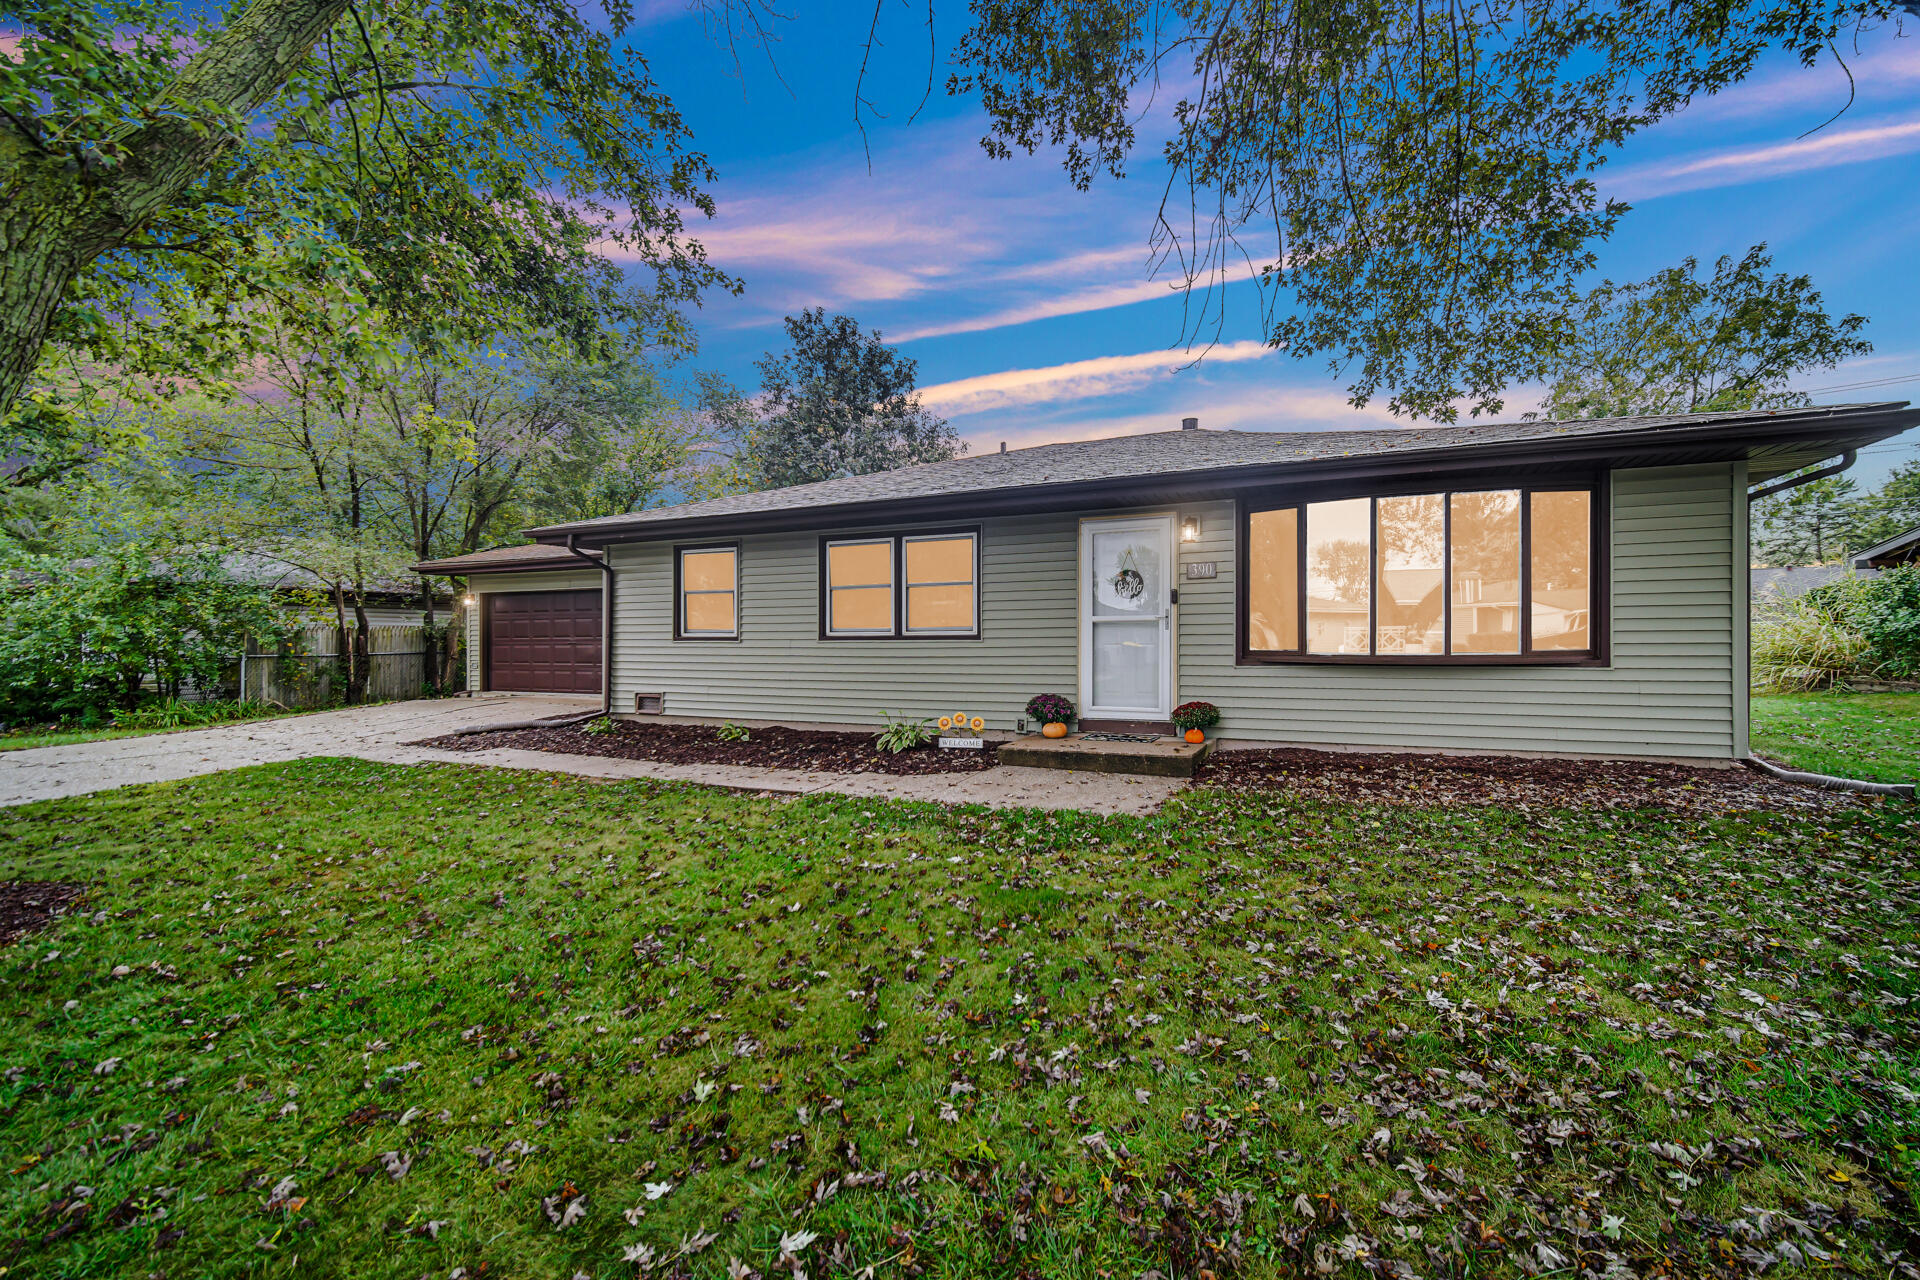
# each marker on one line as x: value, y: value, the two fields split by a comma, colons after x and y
x: 679, y: 602
x: 1600, y: 574
x: 899, y: 541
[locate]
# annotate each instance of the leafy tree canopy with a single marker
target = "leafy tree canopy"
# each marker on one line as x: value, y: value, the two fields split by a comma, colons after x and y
x: 1675, y: 343
x: 1888, y: 511
x: 1420, y: 177
x: 839, y: 402
x: 435, y: 171
x: 1809, y: 524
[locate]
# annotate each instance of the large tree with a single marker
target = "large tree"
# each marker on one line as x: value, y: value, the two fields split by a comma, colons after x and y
x: 1421, y: 178
x: 1678, y: 344
x: 1890, y: 510
x: 839, y: 402
x: 442, y: 170
x: 1811, y: 524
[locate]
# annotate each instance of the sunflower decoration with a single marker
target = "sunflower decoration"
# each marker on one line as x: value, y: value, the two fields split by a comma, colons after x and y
x: 961, y: 720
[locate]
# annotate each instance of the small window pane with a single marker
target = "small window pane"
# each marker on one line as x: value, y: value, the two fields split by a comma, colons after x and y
x: 939, y: 560
x: 1411, y: 613
x: 860, y: 564
x: 706, y: 571
x: 860, y: 609
x: 1273, y: 580
x: 1128, y: 577
x: 1486, y: 572
x: 1339, y: 566
x: 940, y: 608
x: 1560, y: 545
x: 710, y: 611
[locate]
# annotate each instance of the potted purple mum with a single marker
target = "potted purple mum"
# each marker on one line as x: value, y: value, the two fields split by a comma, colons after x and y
x: 1052, y: 711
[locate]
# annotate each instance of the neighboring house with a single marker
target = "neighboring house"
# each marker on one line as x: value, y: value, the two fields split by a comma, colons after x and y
x: 1549, y: 586
x: 1903, y: 548
x: 1794, y: 582
x: 394, y: 603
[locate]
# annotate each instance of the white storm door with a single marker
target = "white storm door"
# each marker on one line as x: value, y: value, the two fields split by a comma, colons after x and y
x: 1126, y: 620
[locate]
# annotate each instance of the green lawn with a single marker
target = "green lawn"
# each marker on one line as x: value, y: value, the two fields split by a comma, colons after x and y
x: 40, y: 736
x: 1850, y: 735
x: 339, y: 1018
x: 56, y: 736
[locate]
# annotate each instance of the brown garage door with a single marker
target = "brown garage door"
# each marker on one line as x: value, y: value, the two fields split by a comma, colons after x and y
x: 543, y: 641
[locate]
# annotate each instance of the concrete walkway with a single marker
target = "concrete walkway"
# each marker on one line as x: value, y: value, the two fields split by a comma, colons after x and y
x: 383, y: 732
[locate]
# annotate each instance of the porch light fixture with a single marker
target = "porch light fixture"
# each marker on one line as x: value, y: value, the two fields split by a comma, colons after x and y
x: 1190, y: 529
x: 468, y: 600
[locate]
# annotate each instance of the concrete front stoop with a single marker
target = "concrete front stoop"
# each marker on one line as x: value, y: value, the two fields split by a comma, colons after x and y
x: 1161, y: 758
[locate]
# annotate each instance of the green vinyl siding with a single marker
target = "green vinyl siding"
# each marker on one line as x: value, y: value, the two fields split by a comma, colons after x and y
x: 1673, y: 687
x: 1670, y: 689
x: 779, y: 668
x: 547, y: 580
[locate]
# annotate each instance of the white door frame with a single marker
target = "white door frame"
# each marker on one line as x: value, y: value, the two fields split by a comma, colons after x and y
x: 1162, y: 526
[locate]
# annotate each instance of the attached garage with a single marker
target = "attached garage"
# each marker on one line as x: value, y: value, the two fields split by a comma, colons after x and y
x: 542, y: 642
x: 533, y: 619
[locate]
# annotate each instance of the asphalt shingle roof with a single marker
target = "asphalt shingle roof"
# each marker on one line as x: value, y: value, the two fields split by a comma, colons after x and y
x: 532, y: 553
x: 1169, y: 454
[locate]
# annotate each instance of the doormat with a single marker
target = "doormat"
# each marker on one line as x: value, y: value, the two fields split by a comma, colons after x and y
x: 1120, y: 737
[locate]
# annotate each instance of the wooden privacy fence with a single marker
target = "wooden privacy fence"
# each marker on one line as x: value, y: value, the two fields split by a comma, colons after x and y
x: 309, y: 673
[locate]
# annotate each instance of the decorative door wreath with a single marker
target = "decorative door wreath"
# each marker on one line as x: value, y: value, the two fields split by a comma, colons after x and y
x: 1129, y: 582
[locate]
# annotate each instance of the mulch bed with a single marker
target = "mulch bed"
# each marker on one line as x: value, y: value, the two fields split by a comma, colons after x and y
x: 27, y: 906
x: 774, y: 747
x: 1508, y: 781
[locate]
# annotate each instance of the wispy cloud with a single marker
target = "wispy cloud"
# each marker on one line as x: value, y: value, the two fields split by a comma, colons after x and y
x: 1884, y: 73
x: 1078, y: 380
x: 1093, y: 298
x: 1737, y: 165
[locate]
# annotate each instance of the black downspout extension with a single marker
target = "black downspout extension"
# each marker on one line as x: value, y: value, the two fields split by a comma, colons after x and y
x: 1825, y: 782
x: 606, y: 620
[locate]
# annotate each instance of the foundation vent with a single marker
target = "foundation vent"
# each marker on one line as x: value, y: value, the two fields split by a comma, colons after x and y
x: 649, y: 704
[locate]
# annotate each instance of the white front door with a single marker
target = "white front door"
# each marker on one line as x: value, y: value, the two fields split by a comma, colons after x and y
x: 1126, y: 620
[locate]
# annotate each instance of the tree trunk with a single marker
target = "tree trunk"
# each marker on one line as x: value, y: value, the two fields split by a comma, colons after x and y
x: 61, y: 207
x: 453, y: 649
x: 342, y: 642
x: 362, y: 650
x: 429, y: 639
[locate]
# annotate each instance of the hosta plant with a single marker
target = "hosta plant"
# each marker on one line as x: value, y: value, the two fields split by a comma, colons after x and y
x: 904, y: 735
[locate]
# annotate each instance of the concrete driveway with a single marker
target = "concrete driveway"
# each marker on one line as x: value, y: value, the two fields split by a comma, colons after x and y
x: 373, y: 733
x: 383, y: 732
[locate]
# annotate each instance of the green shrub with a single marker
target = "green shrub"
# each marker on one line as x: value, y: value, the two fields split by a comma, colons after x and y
x: 731, y: 732
x: 1852, y: 629
x: 79, y: 641
x: 600, y: 725
x: 904, y: 735
x: 1887, y: 613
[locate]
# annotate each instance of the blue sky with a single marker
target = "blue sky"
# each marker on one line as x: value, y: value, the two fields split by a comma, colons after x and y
x: 1030, y: 308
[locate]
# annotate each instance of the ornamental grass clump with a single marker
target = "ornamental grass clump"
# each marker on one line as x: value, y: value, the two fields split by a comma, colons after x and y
x: 1809, y: 642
